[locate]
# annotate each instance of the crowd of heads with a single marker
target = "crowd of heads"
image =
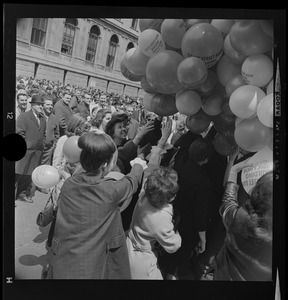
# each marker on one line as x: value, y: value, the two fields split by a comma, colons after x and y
x: 57, y: 90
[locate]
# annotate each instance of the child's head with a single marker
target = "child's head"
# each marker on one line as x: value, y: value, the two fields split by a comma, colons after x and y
x: 99, y: 153
x: 200, y: 150
x: 161, y: 187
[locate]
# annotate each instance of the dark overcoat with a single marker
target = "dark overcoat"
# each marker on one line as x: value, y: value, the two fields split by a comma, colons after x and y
x: 89, y: 241
x: 34, y: 136
x: 83, y: 109
x: 52, y: 132
x: 64, y: 113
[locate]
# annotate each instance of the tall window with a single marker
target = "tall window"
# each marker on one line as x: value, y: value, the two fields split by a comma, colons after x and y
x: 129, y: 46
x: 134, y: 23
x: 39, y: 31
x: 92, y: 43
x: 68, y: 36
x: 112, y: 51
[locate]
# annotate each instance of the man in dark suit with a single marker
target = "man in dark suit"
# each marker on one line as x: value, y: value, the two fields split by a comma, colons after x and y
x: 63, y: 111
x: 31, y: 126
x: 84, y: 106
x: 75, y: 100
x: 52, y: 131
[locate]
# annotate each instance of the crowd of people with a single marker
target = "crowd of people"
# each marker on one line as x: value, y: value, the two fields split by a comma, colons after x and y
x: 174, y: 213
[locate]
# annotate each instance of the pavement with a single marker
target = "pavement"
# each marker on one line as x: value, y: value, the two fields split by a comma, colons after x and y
x: 30, y: 240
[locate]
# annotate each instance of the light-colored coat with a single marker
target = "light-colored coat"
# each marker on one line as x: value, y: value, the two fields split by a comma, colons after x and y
x: 149, y: 225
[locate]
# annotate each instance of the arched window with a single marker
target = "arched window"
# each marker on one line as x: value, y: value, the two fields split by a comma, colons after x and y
x: 39, y: 28
x: 129, y: 46
x: 92, y: 43
x: 68, y: 36
x: 134, y: 23
x: 112, y: 51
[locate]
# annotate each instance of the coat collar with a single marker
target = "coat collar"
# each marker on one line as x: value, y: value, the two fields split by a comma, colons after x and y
x: 84, y: 178
x: 32, y: 116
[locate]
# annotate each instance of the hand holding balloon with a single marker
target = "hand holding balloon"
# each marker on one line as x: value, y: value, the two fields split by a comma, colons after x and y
x: 45, y: 176
x: 237, y: 168
x: 71, y: 150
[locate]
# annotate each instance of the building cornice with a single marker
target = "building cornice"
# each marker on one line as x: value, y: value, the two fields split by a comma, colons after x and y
x: 117, y: 29
x: 97, y: 73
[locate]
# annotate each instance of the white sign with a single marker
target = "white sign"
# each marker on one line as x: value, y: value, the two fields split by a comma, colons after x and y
x: 262, y: 163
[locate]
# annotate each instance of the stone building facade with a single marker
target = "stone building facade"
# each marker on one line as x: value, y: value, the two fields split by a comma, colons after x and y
x: 79, y: 51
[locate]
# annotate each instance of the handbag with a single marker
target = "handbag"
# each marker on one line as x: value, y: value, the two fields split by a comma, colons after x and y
x: 46, y: 215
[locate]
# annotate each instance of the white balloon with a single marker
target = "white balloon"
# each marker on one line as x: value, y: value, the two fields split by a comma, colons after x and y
x: 265, y: 111
x: 151, y: 42
x: 45, y: 176
x: 257, y: 70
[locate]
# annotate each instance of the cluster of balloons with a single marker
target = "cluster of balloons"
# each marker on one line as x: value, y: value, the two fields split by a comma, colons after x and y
x: 218, y: 71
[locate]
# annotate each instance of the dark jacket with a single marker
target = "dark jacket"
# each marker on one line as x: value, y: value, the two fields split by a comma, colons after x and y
x: 89, y: 240
x: 34, y: 136
x: 74, y: 103
x: 153, y: 136
x: 126, y: 153
x: 83, y: 109
x: 63, y: 112
x: 245, y: 255
x: 52, y: 131
x: 194, y: 195
x: 192, y: 203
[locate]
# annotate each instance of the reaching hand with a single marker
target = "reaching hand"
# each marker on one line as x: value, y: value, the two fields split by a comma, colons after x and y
x: 149, y: 126
x: 144, y: 150
x: 166, y: 128
x: 233, y: 154
x: 201, y: 246
x: 241, y: 165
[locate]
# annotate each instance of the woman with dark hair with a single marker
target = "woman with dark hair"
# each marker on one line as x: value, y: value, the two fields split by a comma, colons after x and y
x: 152, y: 217
x: 247, y: 251
x: 117, y: 128
x: 89, y: 240
x: 100, y: 120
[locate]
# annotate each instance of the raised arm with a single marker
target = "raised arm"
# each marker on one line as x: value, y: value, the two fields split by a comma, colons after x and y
x: 229, y: 204
x: 149, y: 126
